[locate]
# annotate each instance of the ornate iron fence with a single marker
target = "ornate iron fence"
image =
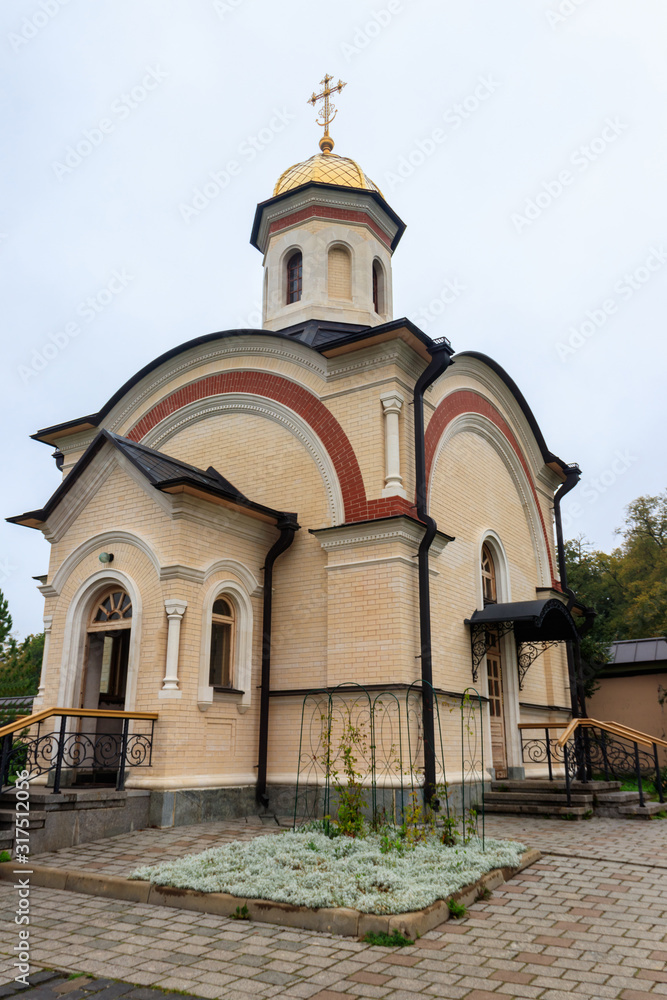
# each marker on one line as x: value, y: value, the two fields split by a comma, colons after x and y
x: 35, y: 746
x: 541, y: 749
x: 594, y: 753
x: 377, y: 736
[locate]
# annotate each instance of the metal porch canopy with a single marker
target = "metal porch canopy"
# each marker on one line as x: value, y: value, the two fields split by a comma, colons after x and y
x: 536, y: 626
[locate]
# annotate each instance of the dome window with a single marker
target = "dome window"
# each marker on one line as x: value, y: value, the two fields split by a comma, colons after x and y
x: 294, y: 277
x: 378, y: 287
x: 340, y: 273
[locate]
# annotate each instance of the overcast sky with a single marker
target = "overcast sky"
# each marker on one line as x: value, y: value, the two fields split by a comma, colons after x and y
x: 523, y: 143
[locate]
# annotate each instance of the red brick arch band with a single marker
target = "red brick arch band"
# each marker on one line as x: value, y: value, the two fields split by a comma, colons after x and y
x: 465, y: 401
x: 316, y: 415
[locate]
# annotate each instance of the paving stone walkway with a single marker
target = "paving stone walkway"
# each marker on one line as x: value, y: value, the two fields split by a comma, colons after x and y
x: 590, y: 920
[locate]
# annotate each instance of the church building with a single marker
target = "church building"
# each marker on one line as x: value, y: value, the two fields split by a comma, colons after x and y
x: 333, y: 498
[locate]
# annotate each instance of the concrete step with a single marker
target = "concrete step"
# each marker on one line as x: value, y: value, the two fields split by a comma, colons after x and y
x: 541, y: 798
x: 535, y: 809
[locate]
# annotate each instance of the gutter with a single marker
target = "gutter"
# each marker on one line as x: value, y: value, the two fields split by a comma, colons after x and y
x: 441, y: 358
x: 288, y: 528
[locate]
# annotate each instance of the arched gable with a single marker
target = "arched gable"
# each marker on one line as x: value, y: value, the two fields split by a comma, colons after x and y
x: 465, y: 409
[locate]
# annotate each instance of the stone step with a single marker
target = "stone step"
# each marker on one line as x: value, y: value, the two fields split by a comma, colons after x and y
x: 535, y: 809
x: 8, y: 819
x: 540, y: 798
x: 647, y: 811
x: 537, y: 784
x: 617, y: 798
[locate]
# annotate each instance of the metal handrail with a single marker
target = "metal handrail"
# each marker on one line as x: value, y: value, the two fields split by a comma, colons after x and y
x: 97, y: 713
x: 542, y: 725
x: 131, y: 746
x: 617, y: 728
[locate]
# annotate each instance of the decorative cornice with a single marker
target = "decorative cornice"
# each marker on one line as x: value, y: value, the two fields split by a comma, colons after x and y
x: 388, y: 530
x: 180, y: 572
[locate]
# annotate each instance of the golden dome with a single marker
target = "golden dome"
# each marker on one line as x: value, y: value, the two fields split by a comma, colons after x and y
x: 325, y: 168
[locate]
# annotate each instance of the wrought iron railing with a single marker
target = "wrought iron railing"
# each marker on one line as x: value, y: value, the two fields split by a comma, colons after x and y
x: 32, y: 744
x: 608, y: 751
x: 543, y: 748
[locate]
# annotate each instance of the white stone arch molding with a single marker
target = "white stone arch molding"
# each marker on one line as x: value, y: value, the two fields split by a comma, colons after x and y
x: 262, y: 406
x: 76, y: 627
x: 476, y: 423
x: 247, y: 578
x: 102, y: 542
x: 239, y: 597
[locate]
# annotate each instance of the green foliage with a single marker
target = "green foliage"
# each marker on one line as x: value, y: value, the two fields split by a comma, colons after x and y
x: 484, y: 893
x: 240, y: 913
x: 348, y: 784
x: 6, y: 623
x: 393, y: 940
x: 456, y: 909
x: 628, y: 587
x: 5, y: 856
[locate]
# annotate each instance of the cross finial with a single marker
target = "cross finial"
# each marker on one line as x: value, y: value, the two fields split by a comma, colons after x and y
x: 328, y: 112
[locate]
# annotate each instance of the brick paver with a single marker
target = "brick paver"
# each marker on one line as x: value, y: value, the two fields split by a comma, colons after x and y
x: 590, y: 921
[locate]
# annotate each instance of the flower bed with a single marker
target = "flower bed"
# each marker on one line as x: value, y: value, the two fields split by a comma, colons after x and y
x: 310, y: 869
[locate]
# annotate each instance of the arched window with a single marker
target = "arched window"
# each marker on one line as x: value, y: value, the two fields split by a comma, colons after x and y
x: 340, y: 273
x: 114, y: 610
x: 294, y: 277
x: 378, y: 287
x: 222, y: 644
x: 488, y: 577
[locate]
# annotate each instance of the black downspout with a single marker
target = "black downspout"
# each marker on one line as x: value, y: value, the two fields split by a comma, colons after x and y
x: 287, y: 527
x: 577, y: 699
x: 441, y: 358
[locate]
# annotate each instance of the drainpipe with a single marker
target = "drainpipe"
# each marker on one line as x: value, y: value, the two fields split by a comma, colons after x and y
x: 577, y: 699
x: 441, y: 359
x: 288, y: 527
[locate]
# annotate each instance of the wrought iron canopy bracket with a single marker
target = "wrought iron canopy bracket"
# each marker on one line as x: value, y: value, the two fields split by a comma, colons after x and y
x: 527, y: 653
x: 483, y: 638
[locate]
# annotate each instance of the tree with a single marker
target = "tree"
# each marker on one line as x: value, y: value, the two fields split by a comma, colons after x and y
x: 627, y: 588
x: 6, y: 623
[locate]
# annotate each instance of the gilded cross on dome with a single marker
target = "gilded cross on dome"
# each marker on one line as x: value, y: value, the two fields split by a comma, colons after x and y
x: 328, y: 112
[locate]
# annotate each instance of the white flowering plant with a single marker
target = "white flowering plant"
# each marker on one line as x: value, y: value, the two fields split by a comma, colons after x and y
x: 308, y: 868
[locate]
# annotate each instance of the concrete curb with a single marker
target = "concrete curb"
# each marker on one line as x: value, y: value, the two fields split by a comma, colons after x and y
x: 333, y: 920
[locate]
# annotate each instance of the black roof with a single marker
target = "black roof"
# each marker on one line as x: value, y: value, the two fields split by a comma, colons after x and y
x: 162, y: 471
x: 344, y: 189
x: 536, y: 621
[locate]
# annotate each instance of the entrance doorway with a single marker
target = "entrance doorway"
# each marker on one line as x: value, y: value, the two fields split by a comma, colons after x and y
x: 104, y: 684
x: 494, y: 667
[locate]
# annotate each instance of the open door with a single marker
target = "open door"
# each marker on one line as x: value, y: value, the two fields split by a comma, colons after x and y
x: 105, y: 681
x: 494, y: 667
